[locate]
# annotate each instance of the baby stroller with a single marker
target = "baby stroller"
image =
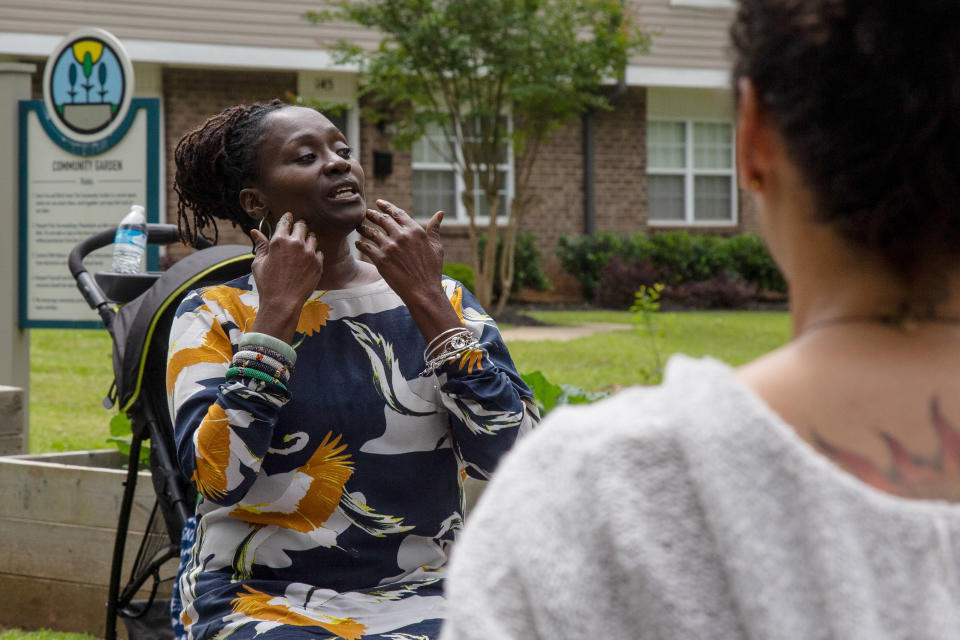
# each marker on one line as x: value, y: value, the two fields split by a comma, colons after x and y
x: 139, y: 327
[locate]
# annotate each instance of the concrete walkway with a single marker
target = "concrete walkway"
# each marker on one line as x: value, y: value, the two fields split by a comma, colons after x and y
x: 560, y: 334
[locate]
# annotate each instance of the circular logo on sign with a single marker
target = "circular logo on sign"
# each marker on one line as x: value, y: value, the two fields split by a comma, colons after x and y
x: 87, y: 85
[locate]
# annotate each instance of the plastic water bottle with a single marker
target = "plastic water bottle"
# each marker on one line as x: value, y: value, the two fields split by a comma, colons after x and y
x: 130, y: 242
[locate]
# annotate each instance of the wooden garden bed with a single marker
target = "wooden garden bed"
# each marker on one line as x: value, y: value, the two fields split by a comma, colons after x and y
x: 58, y: 515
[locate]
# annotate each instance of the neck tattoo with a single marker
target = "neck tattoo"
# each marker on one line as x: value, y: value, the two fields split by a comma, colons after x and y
x: 907, y: 474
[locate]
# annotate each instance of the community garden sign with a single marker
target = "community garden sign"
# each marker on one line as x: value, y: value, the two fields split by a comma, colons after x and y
x: 88, y: 151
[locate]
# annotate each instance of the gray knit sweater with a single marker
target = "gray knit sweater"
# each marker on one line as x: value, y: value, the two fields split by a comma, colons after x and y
x: 692, y: 511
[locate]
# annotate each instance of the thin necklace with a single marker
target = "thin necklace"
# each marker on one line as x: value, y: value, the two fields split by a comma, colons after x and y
x: 900, y: 321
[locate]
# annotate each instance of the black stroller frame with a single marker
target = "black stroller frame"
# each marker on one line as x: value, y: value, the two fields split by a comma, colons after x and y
x: 139, y: 328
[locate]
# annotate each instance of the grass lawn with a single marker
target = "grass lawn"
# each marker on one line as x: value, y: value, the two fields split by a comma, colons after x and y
x: 17, y: 634
x: 71, y: 370
x: 608, y: 361
x: 70, y: 373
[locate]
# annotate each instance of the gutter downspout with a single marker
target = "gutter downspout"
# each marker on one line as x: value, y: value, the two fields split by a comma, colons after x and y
x: 587, y: 135
x: 586, y: 123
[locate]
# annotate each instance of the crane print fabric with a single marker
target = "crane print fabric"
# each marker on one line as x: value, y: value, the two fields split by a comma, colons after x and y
x: 329, y: 511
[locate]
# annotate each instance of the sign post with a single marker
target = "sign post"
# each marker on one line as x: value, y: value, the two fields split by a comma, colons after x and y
x: 14, y: 341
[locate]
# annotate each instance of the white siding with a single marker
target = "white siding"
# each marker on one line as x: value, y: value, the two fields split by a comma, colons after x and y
x: 685, y: 36
x: 256, y: 23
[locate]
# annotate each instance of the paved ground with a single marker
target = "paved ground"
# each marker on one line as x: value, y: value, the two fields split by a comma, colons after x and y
x: 560, y: 334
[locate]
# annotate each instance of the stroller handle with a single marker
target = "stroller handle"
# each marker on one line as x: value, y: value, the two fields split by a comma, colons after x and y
x: 156, y: 234
x: 91, y: 291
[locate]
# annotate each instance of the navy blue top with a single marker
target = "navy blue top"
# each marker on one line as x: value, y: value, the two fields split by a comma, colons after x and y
x: 329, y: 511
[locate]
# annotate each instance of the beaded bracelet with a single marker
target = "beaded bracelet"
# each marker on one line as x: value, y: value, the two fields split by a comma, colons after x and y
x: 281, y: 371
x: 248, y: 354
x: 263, y: 363
x: 254, y: 338
x: 253, y: 373
x: 270, y: 353
x: 280, y: 374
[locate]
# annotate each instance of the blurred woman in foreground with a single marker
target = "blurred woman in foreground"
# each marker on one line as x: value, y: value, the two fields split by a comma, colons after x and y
x: 813, y: 492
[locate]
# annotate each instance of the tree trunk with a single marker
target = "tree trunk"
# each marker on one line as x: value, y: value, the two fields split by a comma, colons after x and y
x: 482, y: 266
x: 490, y: 254
x: 522, y: 200
x: 507, y: 263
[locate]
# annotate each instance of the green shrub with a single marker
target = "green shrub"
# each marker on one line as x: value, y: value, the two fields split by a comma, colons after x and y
x: 722, y: 291
x: 621, y: 280
x: 688, y: 257
x: 586, y: 257
x: 526, y: 264
x: 751, y: 260
x: 679, y: 257
x: 461, y: 272
x: 636, y: 247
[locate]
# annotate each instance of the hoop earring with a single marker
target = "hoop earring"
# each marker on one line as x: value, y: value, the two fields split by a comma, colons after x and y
x: 269, y: 233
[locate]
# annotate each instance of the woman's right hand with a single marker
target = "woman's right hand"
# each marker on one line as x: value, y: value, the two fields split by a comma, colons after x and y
x: 286, y: 269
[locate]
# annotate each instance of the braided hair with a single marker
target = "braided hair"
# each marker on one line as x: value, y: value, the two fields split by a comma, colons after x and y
x: 215, y: 162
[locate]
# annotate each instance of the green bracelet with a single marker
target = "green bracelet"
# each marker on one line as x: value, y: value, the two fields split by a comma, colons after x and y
x: 253, y: 373
x: 270, y: 342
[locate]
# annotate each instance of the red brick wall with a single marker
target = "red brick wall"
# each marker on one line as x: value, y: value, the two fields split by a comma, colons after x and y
x: 190, y: 96
x: 620, y: 157
x: 556, y: 184
x: 619, y: 183
x: 396, y: 187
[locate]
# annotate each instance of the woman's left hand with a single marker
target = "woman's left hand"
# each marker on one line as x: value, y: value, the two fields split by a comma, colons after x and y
x: 408, y: 256
x: 410, y: 259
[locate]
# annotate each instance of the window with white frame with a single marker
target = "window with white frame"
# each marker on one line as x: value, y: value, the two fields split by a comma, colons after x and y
x: 438, y: 185
x: 690, y: 172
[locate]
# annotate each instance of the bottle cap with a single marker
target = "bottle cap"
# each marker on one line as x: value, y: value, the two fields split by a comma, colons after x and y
x: 137, y: 208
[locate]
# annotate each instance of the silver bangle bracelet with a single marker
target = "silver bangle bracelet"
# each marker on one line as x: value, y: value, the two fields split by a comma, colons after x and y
x: 439, y: 340
x: 451, y: 353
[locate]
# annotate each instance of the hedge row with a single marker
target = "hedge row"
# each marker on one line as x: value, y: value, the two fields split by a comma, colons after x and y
x: 698, y: 269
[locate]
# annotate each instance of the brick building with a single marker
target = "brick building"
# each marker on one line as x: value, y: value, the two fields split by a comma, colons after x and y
x: 663, y: 157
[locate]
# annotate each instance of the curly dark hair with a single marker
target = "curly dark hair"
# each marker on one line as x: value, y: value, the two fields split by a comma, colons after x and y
x: 866, y: 94
x: 215, y: 162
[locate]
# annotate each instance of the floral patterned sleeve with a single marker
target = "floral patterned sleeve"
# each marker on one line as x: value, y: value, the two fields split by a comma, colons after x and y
x: 489, y: 404
x: 222, y: 427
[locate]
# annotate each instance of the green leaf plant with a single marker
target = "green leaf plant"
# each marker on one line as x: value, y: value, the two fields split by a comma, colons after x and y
x: 549, y: 395
x: 121, y: 432
x: 653, y: 326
